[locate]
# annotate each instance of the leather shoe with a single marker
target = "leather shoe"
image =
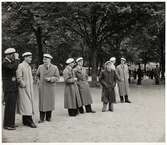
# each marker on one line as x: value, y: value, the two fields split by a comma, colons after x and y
x: 48, y: 119
x: 127, y: 101
x: 40, y: 121
x: 32, y: 125
x: 10, y: 128
x: 93, y: 111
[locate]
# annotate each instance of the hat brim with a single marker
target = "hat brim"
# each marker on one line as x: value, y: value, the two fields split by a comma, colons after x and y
x: 48, y: 57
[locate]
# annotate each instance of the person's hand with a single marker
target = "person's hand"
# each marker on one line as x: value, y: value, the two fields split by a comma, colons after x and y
x: 3, y: 102
x: 75, y: 79
x: 22, y: 85
x: 16, y: 55
x: 47, y: 79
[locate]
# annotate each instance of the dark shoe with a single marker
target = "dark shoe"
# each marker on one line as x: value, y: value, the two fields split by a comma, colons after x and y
x: 110, y: 110
x: 40, y: 121
x: 126, y: 99
x: 93, y: 111
x: 9, y: 128
x: 32, y: 125
x: 48, y: 119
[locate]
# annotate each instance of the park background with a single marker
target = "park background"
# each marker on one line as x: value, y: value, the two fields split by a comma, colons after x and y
x: 96, y: 31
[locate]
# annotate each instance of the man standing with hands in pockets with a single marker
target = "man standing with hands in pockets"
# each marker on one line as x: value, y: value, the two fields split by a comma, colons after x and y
x: 26, y: 93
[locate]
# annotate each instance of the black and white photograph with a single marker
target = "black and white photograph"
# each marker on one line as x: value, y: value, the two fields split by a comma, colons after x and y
x: 83, y: 71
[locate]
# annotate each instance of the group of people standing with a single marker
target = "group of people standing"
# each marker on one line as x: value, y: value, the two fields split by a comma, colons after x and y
x: 114, y: 81
x: 18, y: 87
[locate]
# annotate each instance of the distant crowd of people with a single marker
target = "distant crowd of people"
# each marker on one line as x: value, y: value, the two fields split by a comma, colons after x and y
x: 139, y: 74
x: 18, y: 87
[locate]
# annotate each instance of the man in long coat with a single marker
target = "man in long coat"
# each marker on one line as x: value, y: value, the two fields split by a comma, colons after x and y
x: 113, y: 60
x: 83, y: 86
x: 10, y: 87
x: 26, y: 94
x: 72, y: 100
x: 123, y: 73
x: 48, y: 75
x: 108, y: 79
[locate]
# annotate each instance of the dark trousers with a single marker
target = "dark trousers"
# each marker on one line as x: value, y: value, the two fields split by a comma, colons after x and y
x: 27, y: 120
x: 10, y: 107
x: 139, y: 81
x: 48, y: 115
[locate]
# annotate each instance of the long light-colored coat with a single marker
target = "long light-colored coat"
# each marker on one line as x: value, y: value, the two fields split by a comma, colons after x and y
x: 116, y: 90
x: 47, y: 89
x: 26, y: 94
x: 123, y: 73
x: 83, y: 86
x: 71, y: 94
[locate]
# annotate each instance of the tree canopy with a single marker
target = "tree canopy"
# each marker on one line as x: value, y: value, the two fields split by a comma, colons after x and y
x: 94, y: 30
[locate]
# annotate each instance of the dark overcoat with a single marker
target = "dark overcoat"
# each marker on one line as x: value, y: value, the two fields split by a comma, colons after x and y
x: 72, y: 98
x: 10, y: 90
x: 108, y: 82
x: 9, y: 75
x: 83, y: 86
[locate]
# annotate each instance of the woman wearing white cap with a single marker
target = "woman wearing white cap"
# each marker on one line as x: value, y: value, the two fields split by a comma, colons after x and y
x: 48, y: 75
x: 123, y: 73
x: 113, y: 60
x: 26, y: 100
x: 10, y: 87
x: 83, y: 86
x: 72, y: 100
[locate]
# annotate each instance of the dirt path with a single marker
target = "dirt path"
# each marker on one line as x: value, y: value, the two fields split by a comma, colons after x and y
x: 141, y: 121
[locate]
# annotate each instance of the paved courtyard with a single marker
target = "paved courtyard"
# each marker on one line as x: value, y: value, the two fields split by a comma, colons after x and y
x: 141, y: 121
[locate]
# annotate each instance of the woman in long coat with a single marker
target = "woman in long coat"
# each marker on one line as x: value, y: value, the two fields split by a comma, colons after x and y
x: 48, y: 75
x: 122, y: 71
x: 83, y: 86
x: 72, y: 100
x: 26, y: 100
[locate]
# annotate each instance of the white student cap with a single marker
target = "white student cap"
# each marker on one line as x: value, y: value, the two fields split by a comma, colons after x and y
x: 122, y: 58
x: 47, y: 56
x: 112, y: 59
x: 78, y: 59
x: 10, y: 51
x: 69, y: 60
x: 26, y: 54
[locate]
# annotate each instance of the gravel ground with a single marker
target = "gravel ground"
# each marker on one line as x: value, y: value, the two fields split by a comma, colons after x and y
x: 141, y: 121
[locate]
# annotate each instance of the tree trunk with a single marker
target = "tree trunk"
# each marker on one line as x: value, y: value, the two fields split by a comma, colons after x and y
x: 145, y: 63
x: 94, y: 70
x: 94, y: 50
x: 162, y: 59
x: 38, y: 34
